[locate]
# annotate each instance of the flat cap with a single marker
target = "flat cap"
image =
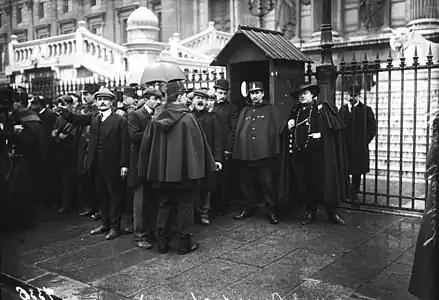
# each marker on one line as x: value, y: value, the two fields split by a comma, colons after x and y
x: 105, y: 93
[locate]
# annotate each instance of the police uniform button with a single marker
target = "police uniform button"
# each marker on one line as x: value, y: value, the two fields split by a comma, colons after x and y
x: 291, y: 146
x: 253, y: 137
x: 253, y: 128
x: 291, y: 140
x: 291, y: 151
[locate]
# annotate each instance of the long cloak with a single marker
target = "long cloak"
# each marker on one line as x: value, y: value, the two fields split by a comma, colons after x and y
x: 423, y: 281
x: 335, y: 166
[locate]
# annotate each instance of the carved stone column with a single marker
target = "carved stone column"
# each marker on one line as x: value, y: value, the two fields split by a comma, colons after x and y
x: 423, y: 14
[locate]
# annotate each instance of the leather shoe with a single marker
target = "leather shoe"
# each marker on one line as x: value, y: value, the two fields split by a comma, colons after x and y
x: 273, y: 219
x: 62, y: 210
x: 162, y: 249
x: 86, y: 213
x: 204, y: 221
x: 143, y: 244
x: 309, y: 218
x: 243, y: 215
x: 127, y: 230
x: 101, y: 229
x: 96, y: 216
x: 337, y: 219
x: 192, y: 248
x: 114, y: 233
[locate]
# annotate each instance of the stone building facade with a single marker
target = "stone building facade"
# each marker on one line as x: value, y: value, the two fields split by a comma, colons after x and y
x: 357, y: 24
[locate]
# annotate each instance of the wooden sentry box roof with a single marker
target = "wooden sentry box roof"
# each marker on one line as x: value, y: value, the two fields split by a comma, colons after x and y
x: 272, y: 43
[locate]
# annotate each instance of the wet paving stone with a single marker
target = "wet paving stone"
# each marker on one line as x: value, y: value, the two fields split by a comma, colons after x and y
x: 407, y: 256
x: 391, y: 284
x: 357, y: 267
x: 370, y: 222
x: 279, y: 277
x: 212, y: 277
x: 318, y: 290
x: 338, y: 241
x: 90, y: 256
x: 393, y: 239
x: 61, y: 248
x: 304, y: 262
x: 20, y: 269
x: 112, y: 265
x: 303, y: 233
x: 251, y: 231
x: 29, y: 240
x: 216, y: 246
x: 69, y: 289
x: 263, y: 251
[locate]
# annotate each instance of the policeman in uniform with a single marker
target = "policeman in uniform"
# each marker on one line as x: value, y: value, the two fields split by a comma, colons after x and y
x: 257, y: 145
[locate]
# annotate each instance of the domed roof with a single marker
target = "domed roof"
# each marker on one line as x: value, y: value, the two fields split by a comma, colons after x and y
x: 142, y: 17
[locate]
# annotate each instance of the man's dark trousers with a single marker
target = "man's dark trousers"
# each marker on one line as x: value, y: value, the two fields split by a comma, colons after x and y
x: 257, y: 181
x: 180, y: 197
x: 144, y: 212
x: 108, y: 191
x: 221, y: 195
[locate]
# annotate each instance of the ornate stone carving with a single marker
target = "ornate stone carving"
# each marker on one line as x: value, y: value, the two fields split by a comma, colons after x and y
x: 286, y: 16
x: 371, y: 14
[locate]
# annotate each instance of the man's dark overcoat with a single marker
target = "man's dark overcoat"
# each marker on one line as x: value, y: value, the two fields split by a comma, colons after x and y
x: 174, y: 148
x: 83, y: 139
x: 361, y: 128
x: 335, y: 167
x: 116, y: 142
x: 424, y: 277
x: 137, y: 122
x: 226, y: 115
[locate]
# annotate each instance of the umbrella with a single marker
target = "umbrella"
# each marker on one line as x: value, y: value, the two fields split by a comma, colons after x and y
x: 162, y: 72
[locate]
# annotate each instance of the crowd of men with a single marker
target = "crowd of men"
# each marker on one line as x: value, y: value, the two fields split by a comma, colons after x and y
x: 166, y: 159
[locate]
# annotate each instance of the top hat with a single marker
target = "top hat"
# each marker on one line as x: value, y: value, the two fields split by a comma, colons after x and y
x: 255, y: 86
x: 105, y: 93
x: 314, y: 89
x: 151, y: 92
x: 222, y: 84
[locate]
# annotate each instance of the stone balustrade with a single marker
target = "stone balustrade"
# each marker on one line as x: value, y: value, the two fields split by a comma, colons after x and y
x: 207, y: 39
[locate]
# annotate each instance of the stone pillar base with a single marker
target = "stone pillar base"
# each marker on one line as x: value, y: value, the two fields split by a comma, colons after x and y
x: 316, y: 36
x: 424, y: 25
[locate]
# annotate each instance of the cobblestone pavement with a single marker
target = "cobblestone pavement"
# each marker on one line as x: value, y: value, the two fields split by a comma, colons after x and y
x: 252, y: 259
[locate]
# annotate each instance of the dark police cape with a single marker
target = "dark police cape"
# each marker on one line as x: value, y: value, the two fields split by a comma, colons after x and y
x: 174, y: 148
x: 424, y: 281
x: 336, y: 180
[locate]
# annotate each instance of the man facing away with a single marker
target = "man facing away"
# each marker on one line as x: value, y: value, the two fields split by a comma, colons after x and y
x: 175, y: 156
x: 144, y: 206
x: 107, y: 158
x: 257, y: 145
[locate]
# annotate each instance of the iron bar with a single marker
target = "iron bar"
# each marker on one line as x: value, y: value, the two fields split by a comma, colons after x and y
x: 389, y: 109
x: 377, y: 66
x: 415, y: 106
x: 401, y: 134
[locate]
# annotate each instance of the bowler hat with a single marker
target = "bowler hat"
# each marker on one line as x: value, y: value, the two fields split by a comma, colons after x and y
x: 314, y: 89
x: 105, y: 93
x: 354, y: 89
x: 255, y: 86
x: 37, y: 100
x: 173, y: 89
x: 222, y: 84
x: 151, y: 92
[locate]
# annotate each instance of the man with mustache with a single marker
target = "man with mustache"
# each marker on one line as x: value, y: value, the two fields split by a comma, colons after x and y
x: 144, y: 206
x: 210, y: 127
x: 257, y: 144
x: 107, y: 158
